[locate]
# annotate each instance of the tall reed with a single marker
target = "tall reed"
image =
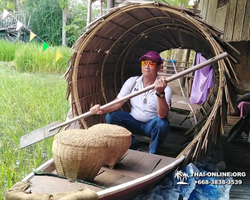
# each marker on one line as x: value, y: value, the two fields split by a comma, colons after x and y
x: 27, y: 102
x: 32, y: 58
x: 7, y: 50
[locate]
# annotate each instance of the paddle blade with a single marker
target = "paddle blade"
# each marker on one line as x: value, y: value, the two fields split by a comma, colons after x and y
x: 37, y: 135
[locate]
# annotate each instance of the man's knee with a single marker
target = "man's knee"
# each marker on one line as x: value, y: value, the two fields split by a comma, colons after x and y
x: 112, y: 117
x: 161, y: 124
x: 109, y: 118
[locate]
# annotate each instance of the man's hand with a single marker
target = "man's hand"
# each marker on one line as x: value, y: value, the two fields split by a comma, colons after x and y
x: 95, y: 110
x: 160, y: 85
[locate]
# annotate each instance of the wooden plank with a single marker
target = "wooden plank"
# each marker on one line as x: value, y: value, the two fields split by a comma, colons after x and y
x: 220, y: 21
x: 177, y: 137
x: 211, y: 13
x: 125, y: 179
x: 232, y: 120
x: 230, y: 20
x: 239, y: 17
x: 204, y: 9
x: 177, y: 119
x: 164, y: 162
x: 118, y: 170
x: 52, y: 185
x: 131, y: 159
x: 207, y: 106
x: 141, y: 163
x: 246, y: 23
x: 248, y: 52
x: 187, y: 123
x: 146, y: 165
x: 108, y: 178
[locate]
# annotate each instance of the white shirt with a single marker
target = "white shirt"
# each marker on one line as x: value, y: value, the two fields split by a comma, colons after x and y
x: 141, y: 110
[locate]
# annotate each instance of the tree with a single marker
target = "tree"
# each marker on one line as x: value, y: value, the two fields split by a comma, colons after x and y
x: 65, y: 10
x: 64, y: 4
x: 77, y: 21
x: 45, y: 20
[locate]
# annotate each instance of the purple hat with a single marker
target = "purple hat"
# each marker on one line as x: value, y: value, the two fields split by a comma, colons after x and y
x: 153, y: 55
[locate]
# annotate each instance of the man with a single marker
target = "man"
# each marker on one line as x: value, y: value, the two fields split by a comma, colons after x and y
x: 149, y: 110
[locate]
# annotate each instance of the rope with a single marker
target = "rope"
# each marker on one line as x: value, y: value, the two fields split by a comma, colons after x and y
x: 42, y: 173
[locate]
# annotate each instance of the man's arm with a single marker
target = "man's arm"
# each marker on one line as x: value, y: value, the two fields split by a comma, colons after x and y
x: 95, y: 110
x: 162, y: 106
x: 125, y: 90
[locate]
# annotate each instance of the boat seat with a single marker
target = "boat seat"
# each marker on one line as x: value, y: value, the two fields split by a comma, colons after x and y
x: 143, y: 138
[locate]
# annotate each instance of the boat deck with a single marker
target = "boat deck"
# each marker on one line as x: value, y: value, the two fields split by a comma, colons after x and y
x: 133, y: 165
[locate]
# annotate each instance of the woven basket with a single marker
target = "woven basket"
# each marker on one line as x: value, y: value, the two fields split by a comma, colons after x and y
x: 78, y: 154
x: 118, y: 140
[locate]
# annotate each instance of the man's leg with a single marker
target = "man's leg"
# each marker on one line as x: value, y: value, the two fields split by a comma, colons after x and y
x: 157, y: 129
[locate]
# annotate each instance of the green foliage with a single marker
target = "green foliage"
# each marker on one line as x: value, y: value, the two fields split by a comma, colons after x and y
x: 64, y: 3
x: 32, y: 58
x: 76, y: 22
x: 46, y: 20
x: 8, y: 4
x: 29, y: 102
x: 7, y: 50
x: 182, y: 3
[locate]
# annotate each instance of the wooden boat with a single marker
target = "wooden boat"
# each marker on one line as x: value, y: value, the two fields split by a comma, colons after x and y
x: 136, y: 173
x: 107, y: 54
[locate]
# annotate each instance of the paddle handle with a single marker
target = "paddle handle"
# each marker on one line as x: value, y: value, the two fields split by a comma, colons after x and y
x: 125, y: 98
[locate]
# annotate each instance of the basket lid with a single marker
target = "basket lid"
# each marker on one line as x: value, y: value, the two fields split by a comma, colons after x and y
x: 110, y: 130
x: 80, y: 138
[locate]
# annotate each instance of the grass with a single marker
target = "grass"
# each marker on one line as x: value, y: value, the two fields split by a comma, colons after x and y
x: 30, y: 57
x: 28, y: 101
x: 7, y: 50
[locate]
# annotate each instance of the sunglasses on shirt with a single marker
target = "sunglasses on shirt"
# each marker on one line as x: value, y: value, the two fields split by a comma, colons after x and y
x: 150, y: 63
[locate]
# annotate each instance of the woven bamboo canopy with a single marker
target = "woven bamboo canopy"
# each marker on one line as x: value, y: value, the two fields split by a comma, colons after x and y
x: 108, y: 53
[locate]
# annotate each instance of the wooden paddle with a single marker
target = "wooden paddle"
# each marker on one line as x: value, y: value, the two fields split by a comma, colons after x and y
x: 87, y: 114
x: 37, y: 135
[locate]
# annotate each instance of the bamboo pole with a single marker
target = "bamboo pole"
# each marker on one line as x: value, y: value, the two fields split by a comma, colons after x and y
x: 125, y: 98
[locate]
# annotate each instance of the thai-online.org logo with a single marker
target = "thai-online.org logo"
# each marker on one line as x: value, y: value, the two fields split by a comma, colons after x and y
x: 181, y: 177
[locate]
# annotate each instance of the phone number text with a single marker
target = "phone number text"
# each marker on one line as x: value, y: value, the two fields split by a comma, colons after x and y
x: 218, y: 182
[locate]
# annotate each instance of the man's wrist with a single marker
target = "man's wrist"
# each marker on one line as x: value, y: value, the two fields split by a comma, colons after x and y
x: 160, y: 95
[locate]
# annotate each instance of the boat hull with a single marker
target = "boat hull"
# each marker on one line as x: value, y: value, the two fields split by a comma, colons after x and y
x: 136, y: 173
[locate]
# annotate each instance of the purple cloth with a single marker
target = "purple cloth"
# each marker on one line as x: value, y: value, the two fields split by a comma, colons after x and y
x: 244, y: 108
x: 203, y: 80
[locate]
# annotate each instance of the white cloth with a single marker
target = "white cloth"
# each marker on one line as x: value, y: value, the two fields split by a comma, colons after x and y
x: 142, y: 111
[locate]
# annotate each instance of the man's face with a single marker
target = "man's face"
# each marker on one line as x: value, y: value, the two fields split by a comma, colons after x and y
x: 149, y: 68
